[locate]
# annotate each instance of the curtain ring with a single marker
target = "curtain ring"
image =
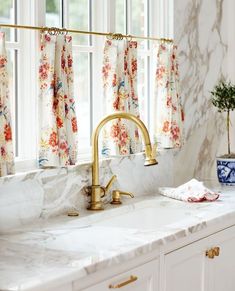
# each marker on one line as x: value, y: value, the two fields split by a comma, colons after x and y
x: 117, y: 36
x: 120, y: 36
x: 109, y: 36
x: 53, y: 30
x: 65, y: 31
x: 129, y: 37
x: 44, y: 29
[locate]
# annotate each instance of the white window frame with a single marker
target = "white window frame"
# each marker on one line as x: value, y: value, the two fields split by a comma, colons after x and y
x: 32, y: 12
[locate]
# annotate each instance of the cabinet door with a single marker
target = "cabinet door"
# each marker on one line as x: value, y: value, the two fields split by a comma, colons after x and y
x: 142, y: 278
x: 184, y: 268
x: 222, y: 268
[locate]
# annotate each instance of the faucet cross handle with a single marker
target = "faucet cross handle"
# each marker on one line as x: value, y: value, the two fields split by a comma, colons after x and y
x: 110, y: 183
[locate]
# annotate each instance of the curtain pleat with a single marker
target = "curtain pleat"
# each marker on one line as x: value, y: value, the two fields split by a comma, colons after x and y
x: 168, y: 112
x: 6, y: 144
x: 57, y: 117
x: 120, y: 137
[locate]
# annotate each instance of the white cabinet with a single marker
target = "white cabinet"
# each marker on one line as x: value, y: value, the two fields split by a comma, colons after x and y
x: 142, y: 278
x: 184, y: 268
x: 190, y: 268
x: 221, y: 269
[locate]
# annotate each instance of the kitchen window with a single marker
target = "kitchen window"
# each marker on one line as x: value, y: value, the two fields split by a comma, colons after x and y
x: 137, y: 17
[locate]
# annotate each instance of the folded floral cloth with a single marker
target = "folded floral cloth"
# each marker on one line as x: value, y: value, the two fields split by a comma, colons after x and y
x: 192, y: 191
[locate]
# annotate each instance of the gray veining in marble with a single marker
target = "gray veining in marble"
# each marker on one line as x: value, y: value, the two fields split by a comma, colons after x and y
x: 201, y: 32
x: 63, y: 249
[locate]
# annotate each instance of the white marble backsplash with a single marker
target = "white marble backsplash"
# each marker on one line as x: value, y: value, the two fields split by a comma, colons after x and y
x: 64, y: 188
x: 201, y: 32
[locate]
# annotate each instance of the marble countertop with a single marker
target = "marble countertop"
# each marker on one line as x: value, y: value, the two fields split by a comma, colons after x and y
x: 64, y: 249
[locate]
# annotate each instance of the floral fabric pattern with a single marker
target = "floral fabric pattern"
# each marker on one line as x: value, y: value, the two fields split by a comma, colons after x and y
x: 6, y: 144
x: 121, y: 137
x: 169, y: 117
x: 57, y: 118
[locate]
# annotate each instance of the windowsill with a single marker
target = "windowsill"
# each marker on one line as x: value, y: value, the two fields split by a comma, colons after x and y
x: 27, y: 167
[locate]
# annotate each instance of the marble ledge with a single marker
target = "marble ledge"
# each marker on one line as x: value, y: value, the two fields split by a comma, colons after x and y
x: 83, y: 164
x: 63, y: 250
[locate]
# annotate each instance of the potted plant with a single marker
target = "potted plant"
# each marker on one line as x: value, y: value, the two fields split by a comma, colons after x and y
x: 223, y: 97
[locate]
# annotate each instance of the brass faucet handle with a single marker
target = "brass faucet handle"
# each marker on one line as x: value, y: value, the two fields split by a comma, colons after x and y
x: 116, y: 196
x: 110, y: 183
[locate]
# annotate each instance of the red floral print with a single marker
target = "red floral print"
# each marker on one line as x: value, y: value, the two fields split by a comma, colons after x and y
x: 59, y: 122
x: 120, y: 91
x: 114, y: 83
x: 53, y: 139
x: 70, y: 61
x: 7, y: 132
x: 115, y: 131
x: 6, y: 147
x: 166, y: 126
x: 58, y: 135
x: 43, y: 71
x: 169, y: 117
x: 64, y: 145
x: 134, y: 65
x: 74, y: 124
x: 175, y: 131
x: 3, y: 61
x: 62, y: 62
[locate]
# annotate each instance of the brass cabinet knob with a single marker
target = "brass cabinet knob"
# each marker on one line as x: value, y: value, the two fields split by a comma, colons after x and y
x: 216, y: 251
x: 210, y: 254
x: 213, y: 252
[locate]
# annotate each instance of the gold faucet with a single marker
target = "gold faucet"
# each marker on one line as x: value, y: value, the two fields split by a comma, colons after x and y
x: 96, y: 191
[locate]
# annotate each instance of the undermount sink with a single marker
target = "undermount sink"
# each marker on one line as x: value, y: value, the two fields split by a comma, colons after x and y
x: 150, y: 216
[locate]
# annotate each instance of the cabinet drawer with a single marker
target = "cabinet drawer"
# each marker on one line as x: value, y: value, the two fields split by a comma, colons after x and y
x: 142, y: 278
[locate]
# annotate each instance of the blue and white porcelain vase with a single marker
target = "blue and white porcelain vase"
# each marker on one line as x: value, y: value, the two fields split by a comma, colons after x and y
x: 226, y: 171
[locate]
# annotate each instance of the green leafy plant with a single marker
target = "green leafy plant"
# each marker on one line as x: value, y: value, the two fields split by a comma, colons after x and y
x: 223, y: 97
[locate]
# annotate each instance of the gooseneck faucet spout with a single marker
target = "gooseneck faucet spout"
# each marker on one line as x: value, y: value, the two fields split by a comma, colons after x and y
x: 97, y: 191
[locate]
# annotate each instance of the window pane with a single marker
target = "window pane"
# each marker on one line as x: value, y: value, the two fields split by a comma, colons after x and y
x: 7, y: 15
x: 53, y: 13
x: 138, y: 26
x: 82, y: 99
x: 79, y: 18
x: 120, y: 25
x: 137, y: 14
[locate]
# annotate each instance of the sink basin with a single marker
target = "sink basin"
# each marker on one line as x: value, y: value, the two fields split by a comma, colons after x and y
x: 150, y: 217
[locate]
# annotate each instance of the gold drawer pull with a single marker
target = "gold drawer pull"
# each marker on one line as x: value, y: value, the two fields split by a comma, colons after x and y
x: 132, y: 279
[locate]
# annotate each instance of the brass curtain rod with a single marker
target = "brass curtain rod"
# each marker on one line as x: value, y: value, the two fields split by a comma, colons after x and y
x: 111, y: 35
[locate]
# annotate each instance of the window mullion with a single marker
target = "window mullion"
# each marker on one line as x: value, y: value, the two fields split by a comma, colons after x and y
x: 128, y: 16
x: 64, y: 13
x: 101, y: 22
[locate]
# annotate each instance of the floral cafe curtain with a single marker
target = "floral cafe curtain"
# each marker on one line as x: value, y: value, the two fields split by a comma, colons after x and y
x: 57, y: 118
x: 168, y: 119
x: 6, y: 145
x: 120, y: 137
